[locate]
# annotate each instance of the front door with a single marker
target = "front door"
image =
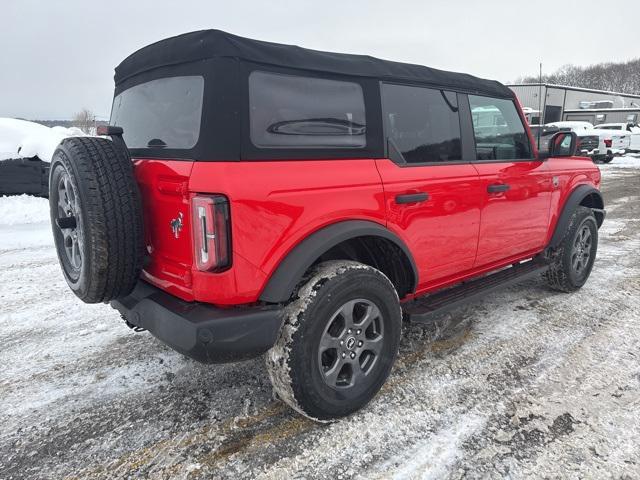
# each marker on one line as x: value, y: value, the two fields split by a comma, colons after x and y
x: 432, y: 195
x: 516, y: 187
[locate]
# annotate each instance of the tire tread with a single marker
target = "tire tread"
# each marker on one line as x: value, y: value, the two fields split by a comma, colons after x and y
x: 112, y: 209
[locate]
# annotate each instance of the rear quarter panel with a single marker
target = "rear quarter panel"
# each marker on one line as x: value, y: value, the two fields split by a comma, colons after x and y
x: 275, y: 205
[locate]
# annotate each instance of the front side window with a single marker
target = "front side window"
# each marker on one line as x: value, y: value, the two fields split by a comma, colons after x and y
x: 289, y: 111
x: 422, y: 123
x: 160, y: 114
x: 498, y: 129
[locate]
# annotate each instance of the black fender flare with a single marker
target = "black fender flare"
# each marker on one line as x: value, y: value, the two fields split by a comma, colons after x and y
x: 291, y: 269
x: 575, y: 199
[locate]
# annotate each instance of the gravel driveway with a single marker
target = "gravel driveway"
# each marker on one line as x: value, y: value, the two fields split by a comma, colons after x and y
x: 527, y: 383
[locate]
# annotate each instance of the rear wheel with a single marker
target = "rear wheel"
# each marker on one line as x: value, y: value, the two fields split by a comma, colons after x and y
x: 339, y: 340
x: 574, y: 258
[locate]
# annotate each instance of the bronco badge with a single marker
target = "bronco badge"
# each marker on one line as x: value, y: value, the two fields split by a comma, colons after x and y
x: 176, y: 225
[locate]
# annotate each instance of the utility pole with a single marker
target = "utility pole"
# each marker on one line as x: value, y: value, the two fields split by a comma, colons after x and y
x: 540, y: 113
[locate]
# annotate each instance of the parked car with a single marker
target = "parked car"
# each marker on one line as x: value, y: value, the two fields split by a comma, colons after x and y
x: 589, y: 142
x: 299, y: 204
x: 610, y: 143
x: 24, y: 176
x: 630, y: 129
x: 25, y: 150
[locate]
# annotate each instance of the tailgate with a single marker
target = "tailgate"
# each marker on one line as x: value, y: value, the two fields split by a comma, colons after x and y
x: 620, y: 142
x: 165, y: 199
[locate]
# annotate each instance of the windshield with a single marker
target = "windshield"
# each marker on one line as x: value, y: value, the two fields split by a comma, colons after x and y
x: 162, y: 113
x: 609, y: 127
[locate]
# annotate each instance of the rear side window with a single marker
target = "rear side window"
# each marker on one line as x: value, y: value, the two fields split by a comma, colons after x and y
x: 162, y: 113
x: 288, y: 111
x: 422, y: 123
x: 499, y: 132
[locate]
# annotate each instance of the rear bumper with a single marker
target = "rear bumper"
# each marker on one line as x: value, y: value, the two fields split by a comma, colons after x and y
x: 201, y: 331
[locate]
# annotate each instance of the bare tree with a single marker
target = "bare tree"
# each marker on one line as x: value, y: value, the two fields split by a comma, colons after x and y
x: 618, y: 77
x: 85, y: 120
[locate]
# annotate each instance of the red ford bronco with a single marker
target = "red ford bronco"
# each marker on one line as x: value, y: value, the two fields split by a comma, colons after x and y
x: 253, y: 198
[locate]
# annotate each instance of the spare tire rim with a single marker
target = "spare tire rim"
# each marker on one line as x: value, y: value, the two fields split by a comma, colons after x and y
x: 581, y: 252
x: 68, y: 222
x: 351, y: 344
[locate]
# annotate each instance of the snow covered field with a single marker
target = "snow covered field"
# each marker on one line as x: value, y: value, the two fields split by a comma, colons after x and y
x: 528, y: 383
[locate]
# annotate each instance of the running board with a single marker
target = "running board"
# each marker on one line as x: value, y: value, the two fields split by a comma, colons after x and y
x: 423, y: 309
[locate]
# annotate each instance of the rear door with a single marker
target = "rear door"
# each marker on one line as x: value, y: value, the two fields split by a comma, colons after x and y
x: 432, y: 193
x: 161, y: 120
x: 516, y: 187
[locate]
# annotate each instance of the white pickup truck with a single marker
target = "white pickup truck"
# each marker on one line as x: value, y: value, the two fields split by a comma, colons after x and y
x: 631, y: 130
x: 611, y: 143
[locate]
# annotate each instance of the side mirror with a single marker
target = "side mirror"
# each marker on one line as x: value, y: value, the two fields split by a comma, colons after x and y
x: 562, y: 144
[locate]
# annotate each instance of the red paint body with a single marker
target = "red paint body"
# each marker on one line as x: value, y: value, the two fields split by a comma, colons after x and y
x: 459, y: 232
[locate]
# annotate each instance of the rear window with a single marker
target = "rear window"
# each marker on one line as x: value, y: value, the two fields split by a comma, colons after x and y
x: 288, y: 111
x: 162, y: 113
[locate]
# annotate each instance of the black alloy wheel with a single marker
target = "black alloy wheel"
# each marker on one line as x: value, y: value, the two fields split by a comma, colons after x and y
x: 351, y: 343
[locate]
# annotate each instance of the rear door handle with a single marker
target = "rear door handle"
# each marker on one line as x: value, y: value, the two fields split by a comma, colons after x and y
x: 412, y: 198
x: 498, y: 187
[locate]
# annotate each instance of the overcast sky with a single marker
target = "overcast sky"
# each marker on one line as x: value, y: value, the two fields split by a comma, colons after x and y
x: 57, y: 57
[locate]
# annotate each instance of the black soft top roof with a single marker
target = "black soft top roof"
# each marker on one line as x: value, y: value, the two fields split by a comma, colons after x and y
x: 206, y: 44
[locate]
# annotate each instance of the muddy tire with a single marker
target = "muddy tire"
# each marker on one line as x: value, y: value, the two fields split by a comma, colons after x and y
x: 574, y: 258
x: 96, y: 216
x: 339, y: 341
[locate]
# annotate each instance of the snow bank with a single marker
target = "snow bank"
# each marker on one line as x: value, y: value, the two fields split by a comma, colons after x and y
x: 20, y: 138
x: 23, y: 209
x: 628, y: 161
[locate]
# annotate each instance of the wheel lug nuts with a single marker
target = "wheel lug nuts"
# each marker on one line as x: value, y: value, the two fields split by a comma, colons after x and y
x: 341, y: 342
x: 358, y: 332
x: 360, y: 343
x: 344, y: 355
x: 349, y: 331
x: 353, y: 355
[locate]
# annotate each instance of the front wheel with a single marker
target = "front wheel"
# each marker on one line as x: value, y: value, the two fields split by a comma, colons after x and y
x: 338, y: 342
x: 573, y: 259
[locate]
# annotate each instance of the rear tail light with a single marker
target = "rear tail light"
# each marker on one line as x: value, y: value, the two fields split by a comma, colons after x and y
x: 211, y: 232
x: 608, y: 142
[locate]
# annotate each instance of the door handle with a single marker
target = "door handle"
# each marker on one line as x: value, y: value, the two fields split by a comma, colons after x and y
x: 498, y: 187
x: 412, y: 198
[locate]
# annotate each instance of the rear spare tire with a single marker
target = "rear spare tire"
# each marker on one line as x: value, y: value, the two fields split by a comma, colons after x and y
x: 96, y: 217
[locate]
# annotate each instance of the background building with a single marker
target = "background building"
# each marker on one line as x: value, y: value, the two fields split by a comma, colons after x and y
x: 558, y: 102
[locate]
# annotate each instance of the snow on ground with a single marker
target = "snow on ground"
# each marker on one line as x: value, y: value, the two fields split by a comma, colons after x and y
x: 23, y: 210
x: 528, y: 383
x: 20, y: 138
x: 628, y: 161
x: 24, y: 223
